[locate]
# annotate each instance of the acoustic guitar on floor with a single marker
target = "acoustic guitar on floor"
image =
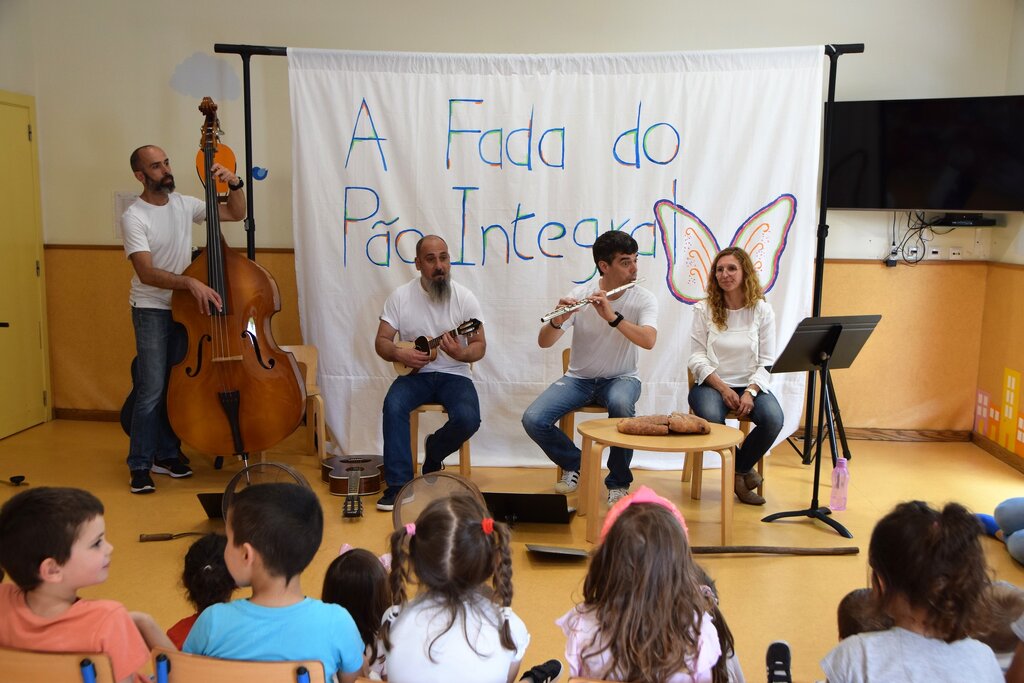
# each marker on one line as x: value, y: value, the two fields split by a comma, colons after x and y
x: 352, y: 476
x: 429, y: 346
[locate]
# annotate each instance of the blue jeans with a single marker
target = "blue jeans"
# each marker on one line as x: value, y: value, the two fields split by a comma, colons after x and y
x: 1010, y: 517
x: 159, y: 343
x: 767, y: 418
x: 458, y: 396
x: 618, y: 394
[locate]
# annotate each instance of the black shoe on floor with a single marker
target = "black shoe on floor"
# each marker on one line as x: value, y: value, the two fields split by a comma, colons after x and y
x: 778, y: 660
x: 548, y: 672
x: 172, y: 468
x: 142, y: 482
x: 387, y: 501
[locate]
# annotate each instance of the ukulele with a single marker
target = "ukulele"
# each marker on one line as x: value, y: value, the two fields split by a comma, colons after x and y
x: 429, y: 346
x: 352, y: 476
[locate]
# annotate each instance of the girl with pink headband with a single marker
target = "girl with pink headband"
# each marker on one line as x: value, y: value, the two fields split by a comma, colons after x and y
x: 645, y: 616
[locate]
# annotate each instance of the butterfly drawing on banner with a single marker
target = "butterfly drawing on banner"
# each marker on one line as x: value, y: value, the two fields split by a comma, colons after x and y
x: 690, y: 246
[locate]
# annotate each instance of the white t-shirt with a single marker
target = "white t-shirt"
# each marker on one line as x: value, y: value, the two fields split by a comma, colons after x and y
x: 600, y: 351
x: 419, y: 622
x: 902, y: 655
x: 166, y: 233
x: 410, y: 310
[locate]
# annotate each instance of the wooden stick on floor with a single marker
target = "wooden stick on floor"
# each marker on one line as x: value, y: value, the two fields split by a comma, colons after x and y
x: 771, y: 550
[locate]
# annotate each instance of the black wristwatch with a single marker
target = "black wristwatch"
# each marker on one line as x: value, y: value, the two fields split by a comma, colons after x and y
x: 616, y: 321
x: 239, y: 186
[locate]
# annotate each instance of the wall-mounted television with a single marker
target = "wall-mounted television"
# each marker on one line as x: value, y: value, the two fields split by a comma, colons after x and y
x: 960, y: 155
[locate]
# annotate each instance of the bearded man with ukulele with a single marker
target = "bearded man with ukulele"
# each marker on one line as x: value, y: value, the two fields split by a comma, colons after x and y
x: 433, y: 307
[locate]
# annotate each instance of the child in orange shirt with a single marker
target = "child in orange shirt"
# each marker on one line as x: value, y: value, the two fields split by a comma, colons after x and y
x: 52, y: 543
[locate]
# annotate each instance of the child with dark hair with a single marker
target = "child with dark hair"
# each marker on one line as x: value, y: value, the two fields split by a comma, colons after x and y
x: 273, y: 532
x: 357, y: 581
x: 457, y: 627
x: 53, y: 543
x: 644, y: 617
x: 206, y: 579
x: 928, y: 574
x: 858, y: 612
x: 1004, y: 605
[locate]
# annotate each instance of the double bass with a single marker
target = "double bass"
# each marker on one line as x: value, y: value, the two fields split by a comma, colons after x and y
x: 235, y: 391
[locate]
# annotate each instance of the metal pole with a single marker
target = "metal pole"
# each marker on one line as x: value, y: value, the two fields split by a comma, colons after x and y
x: 246, y: 51
x: 833, y: 52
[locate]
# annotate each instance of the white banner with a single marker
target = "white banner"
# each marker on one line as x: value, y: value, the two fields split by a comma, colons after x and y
x: 519, y: 162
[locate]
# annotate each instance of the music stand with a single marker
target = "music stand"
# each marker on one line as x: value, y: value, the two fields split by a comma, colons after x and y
x: 822, y: 344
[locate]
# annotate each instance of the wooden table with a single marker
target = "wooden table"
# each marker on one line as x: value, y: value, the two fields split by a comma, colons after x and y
x: 600, y: 434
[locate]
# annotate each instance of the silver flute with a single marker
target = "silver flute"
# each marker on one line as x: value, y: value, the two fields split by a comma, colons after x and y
x: 584, y: 302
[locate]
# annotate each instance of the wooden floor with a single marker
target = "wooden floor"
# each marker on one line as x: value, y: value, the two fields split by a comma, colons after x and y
x: 764, y: 597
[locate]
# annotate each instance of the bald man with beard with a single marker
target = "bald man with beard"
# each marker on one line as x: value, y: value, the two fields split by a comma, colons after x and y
x: 427, y: 306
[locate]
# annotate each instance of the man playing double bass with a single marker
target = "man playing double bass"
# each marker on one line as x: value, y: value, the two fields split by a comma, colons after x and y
x: 157, y: 232
x: 428, y: 306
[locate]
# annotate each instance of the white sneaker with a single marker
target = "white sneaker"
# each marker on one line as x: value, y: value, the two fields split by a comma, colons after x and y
x: 569, y: 483
x: 615, y: 495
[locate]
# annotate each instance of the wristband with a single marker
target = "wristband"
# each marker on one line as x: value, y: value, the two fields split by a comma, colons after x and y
x: 618, y: 319
x: 239, y: 186
x: 554, y: 324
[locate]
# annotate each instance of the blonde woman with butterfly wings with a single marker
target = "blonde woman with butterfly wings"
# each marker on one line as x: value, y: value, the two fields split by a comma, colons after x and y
x: 732, y: 340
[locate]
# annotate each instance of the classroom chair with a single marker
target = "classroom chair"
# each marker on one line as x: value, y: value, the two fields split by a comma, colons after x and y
x: 23, y: 666
x: 317, y: 431
x: 172, y: 666
x: 414, y: 437
x: 567, y: 423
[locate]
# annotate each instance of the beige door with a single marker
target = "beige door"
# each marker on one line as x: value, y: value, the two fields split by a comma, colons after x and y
x: 23, y: 369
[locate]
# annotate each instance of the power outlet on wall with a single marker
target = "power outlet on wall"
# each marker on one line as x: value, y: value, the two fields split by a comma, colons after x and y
x: 913, y: 253
x: 956, y: 253
x: 936, y: 253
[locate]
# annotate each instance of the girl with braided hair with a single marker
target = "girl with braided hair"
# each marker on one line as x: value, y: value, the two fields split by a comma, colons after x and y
x: 459, y: 626
x: 928, y: 574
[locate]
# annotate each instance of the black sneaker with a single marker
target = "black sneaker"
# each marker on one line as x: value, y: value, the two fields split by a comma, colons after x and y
x: 778, y: 660
x: 548, y: 672
x: 173, y: 468
x: 387, y: 501
x: 430, y: 465
x: 142, y: 482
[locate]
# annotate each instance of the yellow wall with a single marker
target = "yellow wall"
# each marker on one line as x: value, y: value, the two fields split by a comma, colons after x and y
x: 1001, y: 353
x: 920, y: 367
x: 91, y: 338
x: 918, y: 371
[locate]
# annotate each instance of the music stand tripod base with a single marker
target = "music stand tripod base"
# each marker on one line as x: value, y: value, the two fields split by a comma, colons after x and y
x: 821, y: 514
x: 818, y: 345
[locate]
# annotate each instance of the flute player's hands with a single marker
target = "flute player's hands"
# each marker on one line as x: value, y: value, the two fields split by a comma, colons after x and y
x: 564, y: 301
